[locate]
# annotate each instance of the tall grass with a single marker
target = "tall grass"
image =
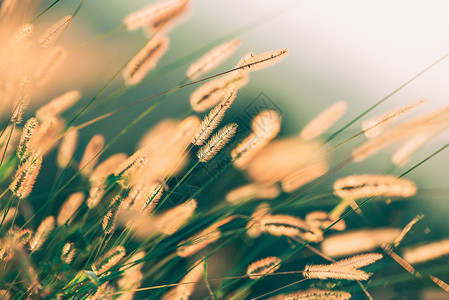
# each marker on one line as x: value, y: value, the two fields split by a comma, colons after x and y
x: 204, y: 208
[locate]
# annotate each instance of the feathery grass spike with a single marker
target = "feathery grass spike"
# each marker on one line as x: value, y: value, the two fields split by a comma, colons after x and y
x: 216, y: 143
x: 58, y: 105
x: 373, y: 127
x: 187, y: 284
x: 42, y: 233
x: 324, y: 121
x: 426, y: 252
x: 370, y: 185
x: 214, y: 118
x: 90, y: 156
x: 67, y: 148
x: 110, y: 219
x: 22, y: 100
x: 24, y: 32
x: 55, y: 31
x: 268, y: 124
x: 27, y: 133
x: 212, y: 59
x: 68, y: 253
x: 252, y: 62
x: 69, y: 208
x: 201, y: 240
x: 155, y: 15
x: 108, y: 260
x: 335, y: 272
x: 263, y: 267
x: 173, y: 219
x: 25, y: 177
x: 145, y: 60
x: 358, y: 261
x: 285, y: 225
x: 316, y: 294
x: 211, y: 92
x: 358, y: 241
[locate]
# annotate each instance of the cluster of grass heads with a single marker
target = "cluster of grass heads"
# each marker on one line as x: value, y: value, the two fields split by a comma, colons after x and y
x: 201, y: 209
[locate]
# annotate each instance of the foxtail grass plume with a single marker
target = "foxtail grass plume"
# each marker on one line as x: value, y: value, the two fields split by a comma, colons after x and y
x: 27, y: 133
x: 283, y: 159
x: 24, y: 32
x: 43, y: 140
x: 323, y: 220
x: 316, y: 294
x: 105, y: 291
x: 335, y: 272
x: 304, y: 175
x: 201, y: 240
x: 212, y: 59
x: 67, y: 148
x: 144, y: 197
x: 58, y: 105
x: 43, y: 231
x: 426, y: 252
x: 23, y: 236
x: 358, y: 261
x: 216, y: 143
x: 109, y: 260
x: 250, y: 146
x: 263, y: 267
x: 167, y: 152
x: 252, y: 62
x: 110, y: 219
x: 252, y: 191
x: 159, y: 135
x: 358, y: 241
x: 106, y: 168
x: 173, y: 219
x: 131, y: 167
x: 96, y: 193
x: 254, y: 227
x: 55, y: 31
x: 91, y: 153
x: 25, y: 177
x: 266, y: 121
x: 213, y: 119
x: 290, y: 226
x: 324, y: 121
x: 132, y: 276
x: 22, y: 100
x: 68, y: 253
x: 367, y: 185
x: 145, y: 60
x: 69, y: 208
x: 187, y: 284
x: 211, y: 92
x: 434, y: 121
x: 373, y: 127
x: 405, y: 152
x: 155, y: 15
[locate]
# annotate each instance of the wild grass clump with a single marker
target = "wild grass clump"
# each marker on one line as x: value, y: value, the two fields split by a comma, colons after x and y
x: 203, y: 208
